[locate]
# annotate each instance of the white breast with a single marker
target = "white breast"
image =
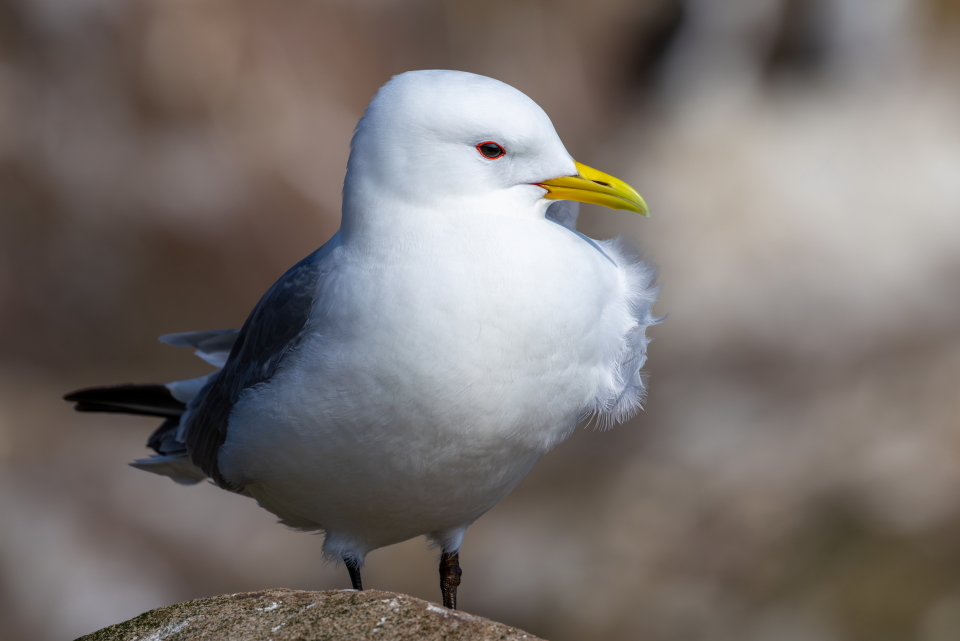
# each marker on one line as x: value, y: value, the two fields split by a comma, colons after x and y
x: 436, y: 373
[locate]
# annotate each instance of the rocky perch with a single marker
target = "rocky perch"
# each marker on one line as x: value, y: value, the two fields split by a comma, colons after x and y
x: 293, y: 615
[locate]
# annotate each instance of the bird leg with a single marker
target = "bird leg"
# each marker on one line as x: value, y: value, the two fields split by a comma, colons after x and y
x: 353, y: 567
x: 450, y: 578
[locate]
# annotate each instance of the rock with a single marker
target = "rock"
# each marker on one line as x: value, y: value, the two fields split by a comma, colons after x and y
x: 294, y: 615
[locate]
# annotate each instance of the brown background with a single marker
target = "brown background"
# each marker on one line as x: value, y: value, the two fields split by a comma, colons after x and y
x: 796, y: 476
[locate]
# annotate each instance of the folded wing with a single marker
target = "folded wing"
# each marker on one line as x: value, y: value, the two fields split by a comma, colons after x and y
x: 197, y: 411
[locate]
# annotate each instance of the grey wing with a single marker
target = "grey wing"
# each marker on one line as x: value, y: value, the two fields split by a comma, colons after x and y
x: 271, y: 332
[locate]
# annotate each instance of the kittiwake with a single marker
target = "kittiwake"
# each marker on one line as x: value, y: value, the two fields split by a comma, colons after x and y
x: 403, y: 378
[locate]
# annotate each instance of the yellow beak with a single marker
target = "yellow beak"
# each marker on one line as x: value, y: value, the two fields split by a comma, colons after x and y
x: 592, y: 186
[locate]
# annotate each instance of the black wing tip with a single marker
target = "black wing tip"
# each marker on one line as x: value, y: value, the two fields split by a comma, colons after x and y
x: 112, y: 391
x: 81, y: 395
x: 152, y: 399
x: 105, y: 391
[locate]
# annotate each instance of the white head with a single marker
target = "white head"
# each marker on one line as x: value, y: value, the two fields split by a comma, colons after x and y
x: 433, y: 139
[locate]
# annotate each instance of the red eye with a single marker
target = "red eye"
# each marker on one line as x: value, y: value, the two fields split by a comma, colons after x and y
x: 491, y: 150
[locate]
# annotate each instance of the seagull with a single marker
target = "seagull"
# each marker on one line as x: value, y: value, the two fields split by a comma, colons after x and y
x: 402, y: 379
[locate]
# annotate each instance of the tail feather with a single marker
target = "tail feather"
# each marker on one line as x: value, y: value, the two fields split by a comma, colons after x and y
x: 212, y: 346
x: 164, y: 441
x: 178, y: 468
x: 143, y: 400
x: 168, y: 402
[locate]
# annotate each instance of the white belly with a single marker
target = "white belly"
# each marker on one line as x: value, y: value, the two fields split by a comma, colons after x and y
x: 430, y: 387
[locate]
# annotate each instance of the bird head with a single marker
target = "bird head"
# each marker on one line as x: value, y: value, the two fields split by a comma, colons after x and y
x: 443, y: 138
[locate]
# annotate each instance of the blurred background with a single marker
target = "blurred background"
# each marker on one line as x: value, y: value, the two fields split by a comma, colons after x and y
x: 796, y: 474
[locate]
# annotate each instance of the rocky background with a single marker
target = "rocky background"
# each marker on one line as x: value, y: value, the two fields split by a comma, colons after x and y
x: 796, y: 476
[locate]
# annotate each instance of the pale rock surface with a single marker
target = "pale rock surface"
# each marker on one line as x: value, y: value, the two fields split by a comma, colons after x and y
x: 288, y: 615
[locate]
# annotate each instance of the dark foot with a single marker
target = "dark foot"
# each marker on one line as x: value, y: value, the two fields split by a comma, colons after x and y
x: 353, y: 567
x: 450, y: 578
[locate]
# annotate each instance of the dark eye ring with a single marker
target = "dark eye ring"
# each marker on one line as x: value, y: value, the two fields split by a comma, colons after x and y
x: 491, y: 150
